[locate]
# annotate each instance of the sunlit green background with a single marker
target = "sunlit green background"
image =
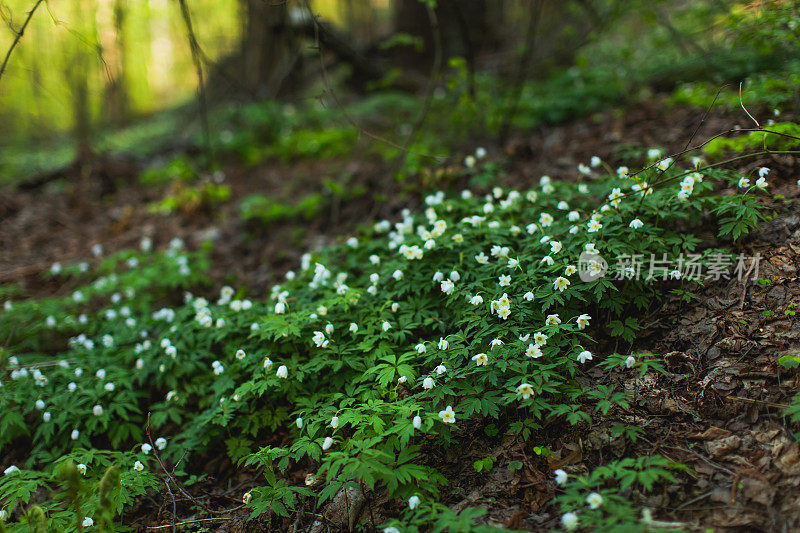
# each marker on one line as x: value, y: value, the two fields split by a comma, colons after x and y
x: 145, y: 51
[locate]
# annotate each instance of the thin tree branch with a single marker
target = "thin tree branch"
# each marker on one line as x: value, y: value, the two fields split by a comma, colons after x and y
x: 19, y: 36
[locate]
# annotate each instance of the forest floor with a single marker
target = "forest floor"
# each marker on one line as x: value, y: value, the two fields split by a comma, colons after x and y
x: 719, y: 408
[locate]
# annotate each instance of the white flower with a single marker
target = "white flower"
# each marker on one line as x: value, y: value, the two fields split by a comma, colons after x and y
x: 561, y: 477
x: 391, y: 529
x: 593, y: 226
x: 81, y: 468
x: 448, y: 287
x: 560, y: 284
x: 335, y: 422
x: 138, y: 466
x: 533, y: 351
x: 630, y: 361
x: 398, y: 275
x: 441, y: 369
x: 476, y: 300
x: 109, y: 386
x: 267, y: 363
x: 504, y: 280
x: 428, y: 383
x: 761, y: 183
x: 240, y: 354
x: 540, y: 339
x: 443, y: 344
x: 75, y: 434
x: 87, y: 522
x: 420, y: 348
x: 569, y: 521
x: 570, y: 270
x: 353, y: 327
x: 319, y: 339
x: 97, y: 410
x: 282, y: 372
x: 528, y: 296
x: 280, y: 308
x: 744, y: 182
x: 555, y: 247
x: 402, y: 379
x: 552, y: 320
x: 246, y: 498
x: 482, y: 258
x: 100, y: 374
x: 583, y: 320
x: 386, y: 326
x: 10, y: 470
x: 146, y: 448
x: 495, y: 342
x: 480, y: 152
x: 545, y: 220
x: 584, y: 356
x: 39, y: 404
x: 447, y: 415
x: 413, y: 502
x: 46, y: 416
x: 762, y: 172
x: 594, y: 500
x: 480, y: 359
x: 525, y: 390
x: 416, y: 422
x: 161, y: 443
x: 438, y: 276
x: 469, y: 161
x: 664, y: 164
x: 327, y: 443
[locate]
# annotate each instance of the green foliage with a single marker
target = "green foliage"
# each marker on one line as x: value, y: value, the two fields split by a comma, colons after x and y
x: 469, y: 311
x: 192, y: 198
x: 596, y: 501
x: 265, y: 209
x: 757, y: 140
x: 180, y: 168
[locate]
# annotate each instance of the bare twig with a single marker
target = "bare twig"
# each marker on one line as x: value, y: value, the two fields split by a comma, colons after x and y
x: 741, y: 103
x: 18, y: 36
x: 164, y: 468
x: 194, y: 521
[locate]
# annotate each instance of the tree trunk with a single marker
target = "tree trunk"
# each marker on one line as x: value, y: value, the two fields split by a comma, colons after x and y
x: 267, y: 49
x: 468, y: 28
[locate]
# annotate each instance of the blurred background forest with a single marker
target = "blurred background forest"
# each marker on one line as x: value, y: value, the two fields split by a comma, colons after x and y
x: 90, y: 77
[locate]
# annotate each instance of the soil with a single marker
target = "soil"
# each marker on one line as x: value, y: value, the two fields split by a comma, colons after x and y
x: 718, y: 408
